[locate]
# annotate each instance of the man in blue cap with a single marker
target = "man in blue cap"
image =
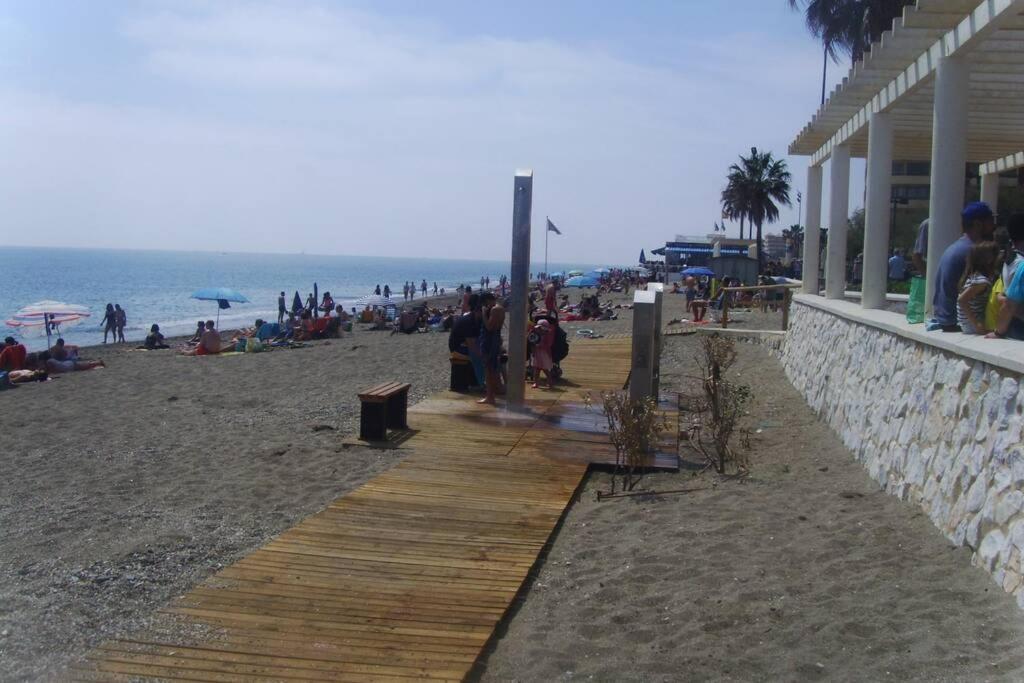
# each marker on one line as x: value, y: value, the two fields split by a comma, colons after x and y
x: 978, y: 224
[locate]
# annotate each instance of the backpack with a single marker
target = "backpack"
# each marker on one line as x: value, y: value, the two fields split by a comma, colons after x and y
x: 560, y: 347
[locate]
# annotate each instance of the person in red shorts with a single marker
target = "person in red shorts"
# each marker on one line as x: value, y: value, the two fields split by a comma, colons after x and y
x: 12, y: 357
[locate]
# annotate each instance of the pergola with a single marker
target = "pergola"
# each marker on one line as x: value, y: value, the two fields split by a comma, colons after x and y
x: 945, y: 84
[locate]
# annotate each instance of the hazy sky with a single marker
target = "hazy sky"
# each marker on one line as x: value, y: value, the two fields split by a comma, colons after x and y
x: 389, y: 128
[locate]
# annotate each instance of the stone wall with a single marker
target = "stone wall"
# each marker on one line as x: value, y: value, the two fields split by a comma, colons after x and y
x: 931, y: 427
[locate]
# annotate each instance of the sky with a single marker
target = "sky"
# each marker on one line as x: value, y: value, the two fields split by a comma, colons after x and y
x: 390, y: 128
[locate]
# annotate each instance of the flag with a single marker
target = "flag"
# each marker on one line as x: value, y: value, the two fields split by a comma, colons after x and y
x: 552, y: 228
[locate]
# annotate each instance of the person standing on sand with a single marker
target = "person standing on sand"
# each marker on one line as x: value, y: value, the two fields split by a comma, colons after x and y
x: 405, y: 291
x: 423, y: 288
x: 377, y: 290
x: 282, y: 308
x: 490, y: 344
x: 122, y: 320
x: 435, y: 288
x: 310, y: 302
x: 465, y: 298
x: 109, y: 323
x: 387, y: 291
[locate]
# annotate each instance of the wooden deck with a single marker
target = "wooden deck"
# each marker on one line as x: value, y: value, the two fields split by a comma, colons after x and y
x: 408, y: 575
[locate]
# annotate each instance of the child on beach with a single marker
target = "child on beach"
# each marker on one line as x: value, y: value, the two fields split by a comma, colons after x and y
x: 541, y: 360
x: 975, y: 285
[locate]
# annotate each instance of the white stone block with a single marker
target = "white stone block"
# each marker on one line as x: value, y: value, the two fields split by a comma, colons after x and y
x: 991, y: 547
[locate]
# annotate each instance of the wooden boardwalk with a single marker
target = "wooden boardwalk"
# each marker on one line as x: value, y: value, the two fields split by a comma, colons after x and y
x: 408, y: 575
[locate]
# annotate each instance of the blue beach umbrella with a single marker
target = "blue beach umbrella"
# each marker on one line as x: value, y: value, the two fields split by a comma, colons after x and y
x: 698, y: 271
x: 582, y: 281
x: 222, y: 295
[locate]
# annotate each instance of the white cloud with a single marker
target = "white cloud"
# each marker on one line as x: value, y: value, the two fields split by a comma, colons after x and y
x: 286, y: 127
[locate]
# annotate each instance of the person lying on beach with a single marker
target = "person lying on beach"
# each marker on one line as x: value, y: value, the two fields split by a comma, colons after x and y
x: 155, y: 339
x: 23, y: 376
x: 58, y: 366
x: 13, y: 355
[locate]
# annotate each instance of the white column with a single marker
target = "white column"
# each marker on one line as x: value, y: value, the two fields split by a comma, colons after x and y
x: 990, y: 190
x: 876, y: 211
x: 812, y: 231
x: 839, y: 212
x: 949, y: 164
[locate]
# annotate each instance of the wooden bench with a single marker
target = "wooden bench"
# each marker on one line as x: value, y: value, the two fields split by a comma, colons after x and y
x: 383, y: 407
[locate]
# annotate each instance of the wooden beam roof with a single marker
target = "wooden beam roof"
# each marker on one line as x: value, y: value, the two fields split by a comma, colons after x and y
x: 896, y: 76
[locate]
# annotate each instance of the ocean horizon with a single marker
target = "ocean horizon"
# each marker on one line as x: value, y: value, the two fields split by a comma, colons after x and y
x: 155, y: 286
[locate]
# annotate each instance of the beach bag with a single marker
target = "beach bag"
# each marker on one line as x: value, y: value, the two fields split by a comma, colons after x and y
x: 253, y: 345
x: 992, y: 307
x: 560, y: 346
x: 915, y: 304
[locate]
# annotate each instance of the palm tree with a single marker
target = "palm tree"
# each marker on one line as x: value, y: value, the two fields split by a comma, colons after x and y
x: 849, y: 27
x: 756, y: 183
x: 733, y: 202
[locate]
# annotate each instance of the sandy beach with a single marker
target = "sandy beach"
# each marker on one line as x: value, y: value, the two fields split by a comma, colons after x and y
x: 805, y: 571
x: 127, y: 486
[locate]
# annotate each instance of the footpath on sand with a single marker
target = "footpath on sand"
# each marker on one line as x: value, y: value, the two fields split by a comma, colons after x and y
x: 408, y: 575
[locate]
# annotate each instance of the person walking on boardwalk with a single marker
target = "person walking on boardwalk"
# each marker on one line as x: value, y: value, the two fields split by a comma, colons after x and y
x: 282, y: 309
x: 121, y: 319
x: 109, y: 323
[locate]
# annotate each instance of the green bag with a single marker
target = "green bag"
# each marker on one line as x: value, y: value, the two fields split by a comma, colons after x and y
x: 915, y: 305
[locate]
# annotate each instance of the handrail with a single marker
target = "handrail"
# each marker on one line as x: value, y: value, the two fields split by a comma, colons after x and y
x: 787, y: 298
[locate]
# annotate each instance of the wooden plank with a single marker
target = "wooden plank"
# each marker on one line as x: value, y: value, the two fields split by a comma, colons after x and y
x: 407, y: 576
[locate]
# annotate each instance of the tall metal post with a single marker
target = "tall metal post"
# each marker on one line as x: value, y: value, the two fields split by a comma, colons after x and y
x: 522, y: 207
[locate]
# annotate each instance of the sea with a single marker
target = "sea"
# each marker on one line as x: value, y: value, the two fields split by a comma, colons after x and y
x: 156, y: 286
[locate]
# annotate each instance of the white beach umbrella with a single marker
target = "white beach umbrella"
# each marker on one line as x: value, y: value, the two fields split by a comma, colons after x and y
x: 48, y: 316
x: 374, y: 301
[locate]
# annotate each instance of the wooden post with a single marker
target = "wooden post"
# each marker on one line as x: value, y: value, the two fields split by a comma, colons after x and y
x: 787, y: 297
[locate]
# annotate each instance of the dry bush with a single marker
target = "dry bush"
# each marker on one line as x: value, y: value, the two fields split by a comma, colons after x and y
x: 634, y: 428
x: 726, y: 402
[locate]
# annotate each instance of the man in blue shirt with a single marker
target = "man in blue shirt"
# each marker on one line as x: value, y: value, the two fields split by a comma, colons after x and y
x: 897, y: 266
x: 978, y: 224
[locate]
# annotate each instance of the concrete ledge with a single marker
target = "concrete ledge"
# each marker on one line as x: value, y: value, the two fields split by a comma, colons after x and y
x: 1002, y: 353
x: 741, y: 333
x: 899, y: 298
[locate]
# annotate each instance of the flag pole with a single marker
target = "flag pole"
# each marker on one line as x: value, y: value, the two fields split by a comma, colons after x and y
x: 546, y: 231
